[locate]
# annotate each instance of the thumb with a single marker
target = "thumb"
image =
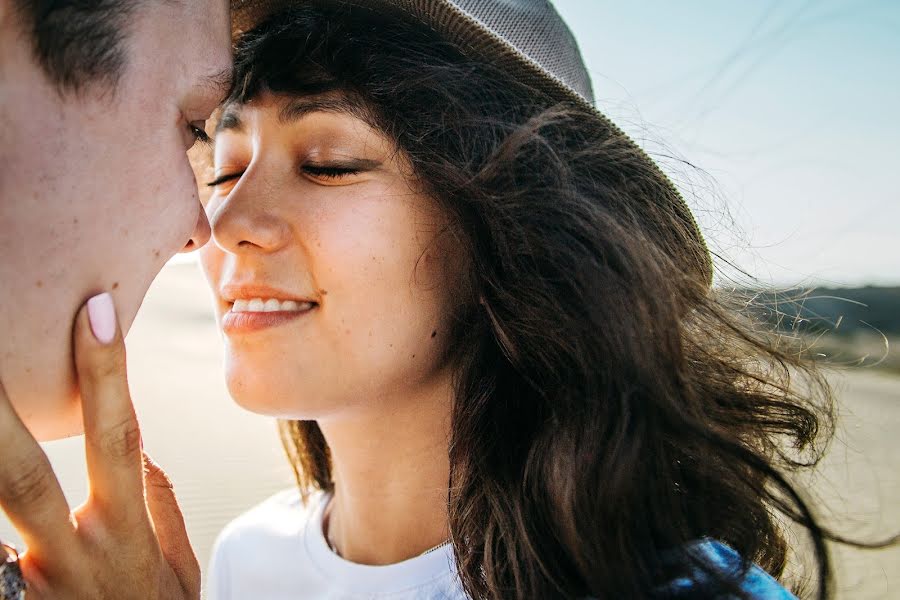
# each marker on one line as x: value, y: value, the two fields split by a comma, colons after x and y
x: 170, y: 529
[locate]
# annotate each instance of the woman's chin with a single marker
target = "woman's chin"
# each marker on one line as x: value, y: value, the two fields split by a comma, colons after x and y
x: 262, y: 400
x: 288, y: 403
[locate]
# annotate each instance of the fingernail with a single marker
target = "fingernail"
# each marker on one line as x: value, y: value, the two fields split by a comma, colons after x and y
x: 102, y: 314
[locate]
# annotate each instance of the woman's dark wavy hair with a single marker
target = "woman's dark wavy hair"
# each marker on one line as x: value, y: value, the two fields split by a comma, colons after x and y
x: 610, y: 407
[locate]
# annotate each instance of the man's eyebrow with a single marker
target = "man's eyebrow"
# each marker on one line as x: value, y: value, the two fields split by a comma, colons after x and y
x: 219, y: 82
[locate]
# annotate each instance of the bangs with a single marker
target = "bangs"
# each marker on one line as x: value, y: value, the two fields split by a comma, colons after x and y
x: 294, y: 53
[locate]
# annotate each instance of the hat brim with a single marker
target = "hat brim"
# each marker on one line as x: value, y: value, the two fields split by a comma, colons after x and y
x: 473, y: 38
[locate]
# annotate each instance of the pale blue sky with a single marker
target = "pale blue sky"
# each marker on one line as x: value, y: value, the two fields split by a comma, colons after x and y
x: 792, y: 108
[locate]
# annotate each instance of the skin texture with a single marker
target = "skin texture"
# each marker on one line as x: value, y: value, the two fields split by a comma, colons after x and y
x: 96, y: 192
x: 128, y: 540
x: 368, y: 362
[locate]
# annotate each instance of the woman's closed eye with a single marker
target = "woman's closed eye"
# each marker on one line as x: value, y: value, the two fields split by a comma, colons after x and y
x: 224, y: 179
x: 322, y: 173
x: 331, y: 173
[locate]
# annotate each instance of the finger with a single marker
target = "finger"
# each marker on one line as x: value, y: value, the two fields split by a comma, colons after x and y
x: 112, y: 435
x: 38, y: 587
x: 29, y: 492
x: 170, y: 528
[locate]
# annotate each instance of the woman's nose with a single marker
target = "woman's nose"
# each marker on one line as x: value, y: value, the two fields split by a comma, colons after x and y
x: 201, y: 232
x: 242, y: 221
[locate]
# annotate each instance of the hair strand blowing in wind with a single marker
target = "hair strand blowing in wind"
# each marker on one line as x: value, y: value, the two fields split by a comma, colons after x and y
x: 610, y: 407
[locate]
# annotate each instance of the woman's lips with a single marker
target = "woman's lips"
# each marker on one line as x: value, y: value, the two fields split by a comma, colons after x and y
x: 247, y: 322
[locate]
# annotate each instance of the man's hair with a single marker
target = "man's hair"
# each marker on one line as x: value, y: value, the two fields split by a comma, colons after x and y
x: 78, y: 42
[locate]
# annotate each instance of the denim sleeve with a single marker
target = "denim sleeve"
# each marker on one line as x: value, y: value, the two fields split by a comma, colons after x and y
x: 757, y: 584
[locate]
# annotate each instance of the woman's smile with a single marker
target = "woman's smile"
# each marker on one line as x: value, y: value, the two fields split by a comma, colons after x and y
x: 249, y: 308
x: 249, y: 315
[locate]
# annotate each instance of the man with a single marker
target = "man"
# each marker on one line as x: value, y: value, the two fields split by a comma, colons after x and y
x: 99, y: 102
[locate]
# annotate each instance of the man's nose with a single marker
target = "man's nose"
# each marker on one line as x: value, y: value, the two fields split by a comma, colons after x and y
x: 201, y: 233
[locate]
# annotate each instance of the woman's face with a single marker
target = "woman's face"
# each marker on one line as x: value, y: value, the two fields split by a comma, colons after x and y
x: 330, y: 271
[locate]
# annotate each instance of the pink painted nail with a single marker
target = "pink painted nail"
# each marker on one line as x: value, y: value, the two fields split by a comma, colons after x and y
x: 102, y: 314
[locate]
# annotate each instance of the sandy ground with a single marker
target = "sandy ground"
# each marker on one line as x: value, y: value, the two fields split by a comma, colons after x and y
x: 858, y: 484
x: 224, y: 460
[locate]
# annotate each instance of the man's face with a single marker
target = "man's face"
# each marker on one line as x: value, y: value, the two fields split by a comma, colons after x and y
x: 96, y: 192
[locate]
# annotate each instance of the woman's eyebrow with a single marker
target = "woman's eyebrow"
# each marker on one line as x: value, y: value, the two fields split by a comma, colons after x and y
x: 230, y: 120
x: 300, y: 107
x: 293, y: 111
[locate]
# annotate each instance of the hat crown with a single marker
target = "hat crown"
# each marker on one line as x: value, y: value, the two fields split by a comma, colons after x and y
x: 534, y: 28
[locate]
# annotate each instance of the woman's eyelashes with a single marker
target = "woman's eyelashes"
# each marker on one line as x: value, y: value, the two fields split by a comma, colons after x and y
x: 328, y: 172
x: 224, y: 179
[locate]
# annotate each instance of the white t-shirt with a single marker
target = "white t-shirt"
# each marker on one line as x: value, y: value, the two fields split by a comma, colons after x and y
x: 277, y: 551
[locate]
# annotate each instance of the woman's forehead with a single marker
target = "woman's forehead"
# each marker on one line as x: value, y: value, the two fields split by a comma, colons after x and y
x: 292, y: 107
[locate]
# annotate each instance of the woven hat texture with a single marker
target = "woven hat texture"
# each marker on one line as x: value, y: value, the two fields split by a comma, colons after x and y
x: 525, y: 37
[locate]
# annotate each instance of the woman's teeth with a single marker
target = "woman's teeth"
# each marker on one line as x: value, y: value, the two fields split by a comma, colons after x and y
x: 270, y: 305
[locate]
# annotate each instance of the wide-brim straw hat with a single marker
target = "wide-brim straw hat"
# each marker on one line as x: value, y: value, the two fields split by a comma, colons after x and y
x: 526, y: 38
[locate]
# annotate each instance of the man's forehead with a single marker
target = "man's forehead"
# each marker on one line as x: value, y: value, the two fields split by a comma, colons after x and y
x: 211, y: 13
x: 208, y: 30
x: 195, y: 35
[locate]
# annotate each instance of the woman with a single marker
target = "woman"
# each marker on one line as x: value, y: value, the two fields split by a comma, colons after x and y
x: 484, y: 318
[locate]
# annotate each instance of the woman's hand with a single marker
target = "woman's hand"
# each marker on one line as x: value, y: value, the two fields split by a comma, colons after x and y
x: 128, y: 541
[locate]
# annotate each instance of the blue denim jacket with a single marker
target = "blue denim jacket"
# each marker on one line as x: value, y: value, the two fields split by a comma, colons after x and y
x: 758, y: 584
